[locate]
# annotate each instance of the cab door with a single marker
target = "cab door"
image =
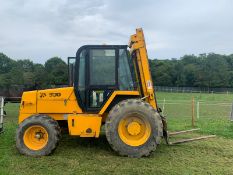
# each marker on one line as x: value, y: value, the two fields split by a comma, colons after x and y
x: 101, y: 76
x: 95, y: 76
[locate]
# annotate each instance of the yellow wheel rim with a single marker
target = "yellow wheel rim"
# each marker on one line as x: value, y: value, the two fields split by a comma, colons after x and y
x: 134, y: 130
x: 35, y: 137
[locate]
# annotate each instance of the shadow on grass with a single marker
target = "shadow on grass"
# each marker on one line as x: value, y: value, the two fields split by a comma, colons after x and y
x: 88, y: 146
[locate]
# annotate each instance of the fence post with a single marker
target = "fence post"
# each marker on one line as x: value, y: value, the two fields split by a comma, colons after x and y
x: 1, y: 113
x: 193, y: 112
x: 231, y: 116
x: 163, y: 106
x: 198, y: 107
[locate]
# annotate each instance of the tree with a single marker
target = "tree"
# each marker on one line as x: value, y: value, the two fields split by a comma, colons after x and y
x: 57, y: 71
x: 40, y: 76
x: 6, y: 64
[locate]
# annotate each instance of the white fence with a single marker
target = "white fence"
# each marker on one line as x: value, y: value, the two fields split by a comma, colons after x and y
x: 193, y: 89
x: 198, y: 109
x: 1, y: 113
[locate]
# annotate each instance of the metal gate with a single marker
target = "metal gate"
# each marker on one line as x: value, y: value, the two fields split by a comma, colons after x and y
x: 1, y: 113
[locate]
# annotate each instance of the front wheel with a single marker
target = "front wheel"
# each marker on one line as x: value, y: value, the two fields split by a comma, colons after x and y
x: 37, y: 136
x: 133, y: 128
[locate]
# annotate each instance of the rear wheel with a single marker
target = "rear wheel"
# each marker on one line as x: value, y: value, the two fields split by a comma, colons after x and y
x: 133, y: 128
x: 37, y: 136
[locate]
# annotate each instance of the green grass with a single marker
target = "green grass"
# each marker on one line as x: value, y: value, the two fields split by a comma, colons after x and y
x: 94, y: 156
x: 214, y: 119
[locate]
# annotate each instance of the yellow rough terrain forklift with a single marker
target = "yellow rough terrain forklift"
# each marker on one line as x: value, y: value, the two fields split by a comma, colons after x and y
x: 111, y: 86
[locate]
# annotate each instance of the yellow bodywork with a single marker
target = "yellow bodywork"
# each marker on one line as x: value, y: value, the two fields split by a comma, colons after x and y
x: 84, y: 125
x: 61, y: 104
x: 57, y: 103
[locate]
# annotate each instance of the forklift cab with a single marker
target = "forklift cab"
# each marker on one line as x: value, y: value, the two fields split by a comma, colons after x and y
x: 99, y: 70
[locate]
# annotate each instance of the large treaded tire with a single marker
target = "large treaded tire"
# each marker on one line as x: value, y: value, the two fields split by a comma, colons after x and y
x: 118, y: 112
x: 52, y: 128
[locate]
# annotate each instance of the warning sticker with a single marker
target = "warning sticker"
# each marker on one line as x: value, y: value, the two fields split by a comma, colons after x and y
x: 149, y: 84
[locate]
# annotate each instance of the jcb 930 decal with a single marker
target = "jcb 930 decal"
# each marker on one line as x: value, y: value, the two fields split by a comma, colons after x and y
x: 51, y: 95
x: 54, y: 94
x: 42, y: 95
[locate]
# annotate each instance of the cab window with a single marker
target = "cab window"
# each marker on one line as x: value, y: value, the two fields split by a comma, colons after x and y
x: 124, y: 74
x: 102, y: 66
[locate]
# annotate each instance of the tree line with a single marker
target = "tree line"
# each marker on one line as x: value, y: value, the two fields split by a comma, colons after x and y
x: 29, y: 74
x: 205, y: 70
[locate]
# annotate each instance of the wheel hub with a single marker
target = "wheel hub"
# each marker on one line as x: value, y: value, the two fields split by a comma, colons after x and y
x: 39, y: 135
x: 36, y: 137
x: 134, y: 128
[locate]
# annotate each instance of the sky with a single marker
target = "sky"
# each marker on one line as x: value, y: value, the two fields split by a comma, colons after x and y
x: 39, y: 30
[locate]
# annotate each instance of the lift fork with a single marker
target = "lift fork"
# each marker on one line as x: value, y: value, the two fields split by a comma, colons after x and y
x: 167, y: 134
x: 186, y: 140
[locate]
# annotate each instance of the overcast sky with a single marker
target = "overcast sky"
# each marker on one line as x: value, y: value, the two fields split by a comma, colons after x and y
x: 41, y: 29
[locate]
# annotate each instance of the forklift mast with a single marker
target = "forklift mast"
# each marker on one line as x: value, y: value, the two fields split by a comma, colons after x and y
x: 139, y: 55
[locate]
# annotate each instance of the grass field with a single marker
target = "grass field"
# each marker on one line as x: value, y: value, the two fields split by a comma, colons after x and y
x: 94, y: 156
